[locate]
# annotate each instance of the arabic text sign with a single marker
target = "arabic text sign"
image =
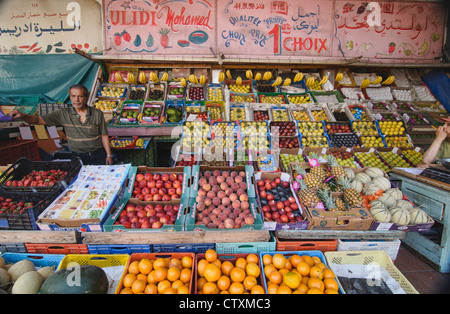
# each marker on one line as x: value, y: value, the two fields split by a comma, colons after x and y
x: 40, y: 27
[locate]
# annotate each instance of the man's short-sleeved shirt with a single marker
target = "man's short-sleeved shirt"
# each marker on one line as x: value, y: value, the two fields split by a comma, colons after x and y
x: 82, y: 137
x: 444, y: 150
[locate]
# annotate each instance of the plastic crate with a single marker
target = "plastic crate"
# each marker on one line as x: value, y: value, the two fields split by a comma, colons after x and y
x: 56, y: 248
x: 367, y: 258
x: 27, y: 219
x: 10, y: 151
x: 196, y: 248
x: 12, y: 248
x: 24, y: 166
x: 306, y: 245
x: 248, y: 247
x: 39, y: 260
x: 154, y: 256
x: 118, y: 248
x: 390, y: 247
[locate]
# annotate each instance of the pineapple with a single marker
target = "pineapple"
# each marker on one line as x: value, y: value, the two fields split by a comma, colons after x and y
x: 327, y: 199
x: 340, y: 203
x: 318, y: 171
x: 307, y: 196
x: 336, y: 170
x: 351, y: 196
x: 311, y: 180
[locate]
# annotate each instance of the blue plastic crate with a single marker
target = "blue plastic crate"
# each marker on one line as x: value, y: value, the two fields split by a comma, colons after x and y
x: 183, y: 248
x: 39, y: 260
x: 119, y: 249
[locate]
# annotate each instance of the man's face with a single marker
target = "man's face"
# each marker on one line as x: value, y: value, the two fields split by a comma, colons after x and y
x: 78, y: 98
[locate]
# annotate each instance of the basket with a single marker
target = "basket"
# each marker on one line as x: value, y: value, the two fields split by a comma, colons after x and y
x: 183, y: 248
x: 154, y: 256
x: 368, y: 257
x: 11, y: 150
x: 63, y: 249
x: 39, y: 260
x: 24, y: 166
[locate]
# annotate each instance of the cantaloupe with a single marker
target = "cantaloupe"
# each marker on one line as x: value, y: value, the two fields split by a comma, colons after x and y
x: 20, y: 268
x: 374, y: 172
x: 2, y: 262
x: 418, y: 216
x: 364, y: 178
x: 45, y: 272
x: 28, y: 283
x: 4, y: 278
x: 350, y: 173
x: 383, y: 183
x: 388, y: 200
x: 377, y: 204
x: 381, y: 214
x: 395, y: 192
x: 357, y: 185
x: 370, y: 189
x: 400, y: 216
x: 404, y: 204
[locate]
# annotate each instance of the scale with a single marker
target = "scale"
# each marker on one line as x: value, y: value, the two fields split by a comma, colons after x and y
x: 437, y: 173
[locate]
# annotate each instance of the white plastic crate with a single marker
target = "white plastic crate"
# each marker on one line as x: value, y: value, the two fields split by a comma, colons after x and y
x: 390, y: 247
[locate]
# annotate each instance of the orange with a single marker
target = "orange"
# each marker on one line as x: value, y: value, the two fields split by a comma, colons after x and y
x: 200, y: 283
x: 305, y: 279
x: 237, y: 274
x: 185, y: 275
x: 308, y: 259
x: 141, y: 277
x: 151, y: 289
x: 169, y: 290
x: 253, y: 269
x: 302, y: 289
x: 241, y: 262
x: 224, y: 292
x: 295, y: 260
x: 159, y: 262
x: 288, y: 264
x: 316, y: 260
x: 331, y: 291
x: 160, y: 274
x: 279, y: 261
x: 276, y: 277
x: 303, y: 268
x: 210, y: 255
x: 284, y: 290
x: 292, y: 280
x: 328, y: 274
x: 331, y: 284
x: 128, y: 280
x: 133, y: 268
x: 201, y: 266
x: 267, y: 259
x: 257, y: 289
x: 314, y: 291
x: 226, y: 267
x: 126, y: 291
x: 217, y: 262
x: 145, y: 266
x: 186, y: 261
x: 138, y: 286
x: 268, y: 269
x: 252, y: 258
x: 163, y: 285
x: 177, y: 283
x: 272, y: 288
x: 151, y: 277
x: 212, y: 272
x: 283, y: 271
x: 321, y: 266
x: 173, y: 273
x: 210, y: 288
x: 315, y: 283
x: 249, y: 282
x: 237, y: 288
x: 316, y: 272
x: 223, y: 283
x: 175, y: 262
x: 183, y: 290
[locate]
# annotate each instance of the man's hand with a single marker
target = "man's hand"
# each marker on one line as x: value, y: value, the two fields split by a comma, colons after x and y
x: 109, y: 161
x: 16, y: 114
x: 442, y: 132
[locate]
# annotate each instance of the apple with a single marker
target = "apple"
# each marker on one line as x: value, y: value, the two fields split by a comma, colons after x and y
x: 146, y: 225
x: 151, y: 184
x: 148, y: 197
x: 166, y: 198
x: 145, y: 191
x: 148, y: 207
x: 139, y: 177
x: 157, y: 225
x: 156, y: 176
x: 176, y: 184
x: 157, y: 197
x: 137, y: 190
x: 173, y: 177
x: 172, y: 191
x: 159, y: 184
x: 180, y: 177
x: 142, y: 183
x: 165, y: 177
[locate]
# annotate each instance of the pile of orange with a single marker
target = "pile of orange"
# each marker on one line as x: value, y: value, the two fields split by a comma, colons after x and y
x: 216, y: 276
x: 298, y: 274
x: 162, y: 275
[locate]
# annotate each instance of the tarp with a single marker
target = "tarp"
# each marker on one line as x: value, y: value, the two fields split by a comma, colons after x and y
x: 46, y: 76
x: 439, y: 84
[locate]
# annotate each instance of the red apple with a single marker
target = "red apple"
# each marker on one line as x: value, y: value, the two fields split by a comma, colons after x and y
x: 159, y: 184
x: 166, y: 198
x: 168, y: 184
x: 176, y: 184
x: 136, y: 190
x: 145, y: 191
x: 142, y: 184
x: 139, y: 177
x: 146, y: 225
x: 148, y: 207
x: 148, y: 197
x: 180, y: 177
x: 165, y: 177
x: 172, y: 191
x: 130, y: 208
x: 139, y: 208
x: 148, y: 176
x: 173, y: 177
x: 157, y: 225
x: 154, y: 191
x: 162, y: 191
x: 151, y: 184
x: 156, y: 176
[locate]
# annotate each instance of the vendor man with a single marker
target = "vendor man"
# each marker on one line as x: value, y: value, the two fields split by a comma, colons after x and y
x: 84, y: 126
x: 441, y: 144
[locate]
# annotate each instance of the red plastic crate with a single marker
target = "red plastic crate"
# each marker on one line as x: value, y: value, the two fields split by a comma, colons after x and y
x: 57, y: 248
x: 12, y: 150
x: 307, y: 245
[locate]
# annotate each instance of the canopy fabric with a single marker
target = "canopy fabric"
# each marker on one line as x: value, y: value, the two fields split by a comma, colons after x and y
x: 46, y: 76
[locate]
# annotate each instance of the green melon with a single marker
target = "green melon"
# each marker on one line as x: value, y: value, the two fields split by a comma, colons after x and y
x: 374, y: 172
x: 381, y: 214
x: 404, y: 204
x: 364, y: 178
x: 388, y: 200
x: 383, y: 183
x: 396, y: 193
x: 400, y: 216
x: 418, y: 216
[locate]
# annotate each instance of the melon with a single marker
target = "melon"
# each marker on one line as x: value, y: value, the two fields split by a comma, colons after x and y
x: 370, y: 189
x: 350, y: 173
x: 381, y: 214
x: 374, y: 172
x: 357, y: 185
x: 4, y: 278
x: 388, y: 200
x: 20, y: 268
x: 405, y: 204
x: 377, y: 204
x: 28, y: 283
x: 396, y: 193
x: 383, y: 183
x: 400, y: 216
x: 364, y: 178
x: 418, y: 216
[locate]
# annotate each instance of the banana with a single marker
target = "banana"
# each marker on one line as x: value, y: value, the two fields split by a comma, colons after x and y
x: 221, y: 77
x: 298, y: 77
x: 142, y: 77
x: 131, y: 78
x: 140, y: 118
x: 202, y: 79
x: 287, y: 82
x: 118, y: 76
x: 239, y: 80
x: 193, y: 79
x: 229, y: 76
x: 249, y: 74
x: 165, y: 77
x: 377, y: 80
x: 365, y: 83
x: 154, y: 77
x: 183, y: 82
x: 324, y: 80
x: 258, y: 76
x: 389, y: 80
x: 267, y: 76
x: 339, y: 77
x: 310, y: 81
x: 277, y: 81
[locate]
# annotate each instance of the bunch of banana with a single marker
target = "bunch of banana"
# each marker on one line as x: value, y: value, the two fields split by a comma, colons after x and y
x: 131, y: 78
x: 229, y: 76
x: 202, y: 79
x: 118, y: 77
x: 239, y: 80
x: 249, y: 74
x: 298, y: 77
x: 365, y: 83
x: 139, y: 117
x: 183, y: 82
x: 287, y: 82
x: 142, y: 77
x: 154, y: 77
x: 323, y: 80
x: 310, y: 81
x: 389, y: 80
x: 193, y: 79
x: 267, y: 76
x: 165, y: 77
x: 278, y: 81
x: 339, y: 77
x: 140, y: 143
x: 258, y: 76
x: 221, y: 77
x: 377, y: 80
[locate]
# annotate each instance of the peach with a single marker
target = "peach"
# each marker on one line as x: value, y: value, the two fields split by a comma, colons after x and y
x: 212, y: 181
x: 220, y: 179
x: 227, y: 211
x: 201, y: 192
x: 212, y: 217
x: 206, y: 187
x: 211, y: 195
x: 226, y: 201
x: 207, y: 174
x: 245, y: 205
x: 222, y: 216
x: 236, y: 204
x: 200, y: 216
x: 221, y: 226
x: 221, y: 207
x: 249, y: 220
x: 242, y: 174
x: 243, y: 197
x: 238, y: 179
x: 208, y: 202
x: 216, y: 211
x: 233, y: 197
x: 235, y: 187
x: 207, y: 211
x: 217, y: 222
x: 211, y: 226
x: 206, y: 221
x: 229, y: 181
x: 223, y: 186
x: 200, y: 198
x: 215, y: 188
x: 229, y: 223
x: 237, y: 212
x: 229, y: 191
x: 225, y: 174
x: 216, y: 173
x: 202, y: 181
x: 243, y: 185
x: 238, y: 221
x: 201, y: 206
x: 221, y: 194
x: 233, y: 174
x: 216, y: 201
x: 232, y: 216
